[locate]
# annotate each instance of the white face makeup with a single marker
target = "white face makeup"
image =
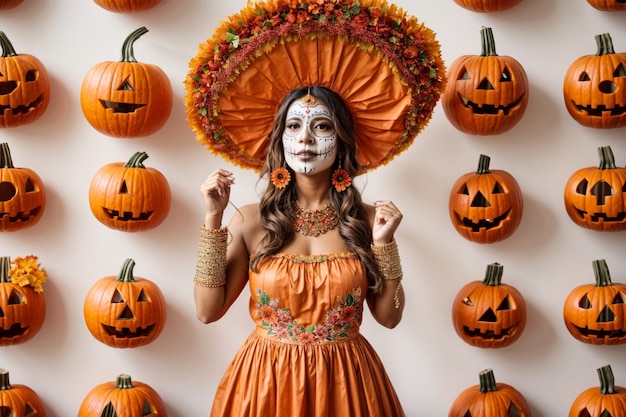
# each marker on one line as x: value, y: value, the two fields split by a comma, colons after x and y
x: 309, y: 139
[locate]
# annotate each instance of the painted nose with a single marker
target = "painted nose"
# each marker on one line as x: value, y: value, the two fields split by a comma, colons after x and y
x: 305, y: 136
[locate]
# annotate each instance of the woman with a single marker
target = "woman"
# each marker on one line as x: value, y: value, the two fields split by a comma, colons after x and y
x: 311, y: 252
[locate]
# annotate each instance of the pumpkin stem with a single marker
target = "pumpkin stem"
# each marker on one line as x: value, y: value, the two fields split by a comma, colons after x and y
x: 483, y: 164
x: 126, y: 273
x: 5, y: 156
x: 607, y: 380
x: 123, y: 381
x: 493, y: 275
x: 605, y: 44
x: 487, y: 381
x: 607, y: 159
x: 487, y: 42
x: 4, y: 380
x: 601, y: 273
x: 5, y: 263
x: 136, y: 161
x: 7, y: 46
x: 128, y: 54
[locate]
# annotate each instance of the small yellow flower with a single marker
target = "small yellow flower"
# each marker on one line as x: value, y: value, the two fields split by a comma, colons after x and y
x: 27, y: 271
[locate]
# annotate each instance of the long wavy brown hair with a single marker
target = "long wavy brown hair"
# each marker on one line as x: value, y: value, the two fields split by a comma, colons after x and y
x: 276, y: 205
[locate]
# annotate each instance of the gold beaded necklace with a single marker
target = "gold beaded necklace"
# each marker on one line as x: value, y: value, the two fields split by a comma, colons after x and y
x: 314, y: 222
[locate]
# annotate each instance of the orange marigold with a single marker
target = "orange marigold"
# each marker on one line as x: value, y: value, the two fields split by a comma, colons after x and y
x: 341, y: 179
x: 280, y: 177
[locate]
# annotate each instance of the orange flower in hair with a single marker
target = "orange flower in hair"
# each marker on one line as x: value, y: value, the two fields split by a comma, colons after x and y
x: 280, y: 177
x: 341, y: 179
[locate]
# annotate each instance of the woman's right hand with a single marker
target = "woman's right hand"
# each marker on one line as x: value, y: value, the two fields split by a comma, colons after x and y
x: 215, y: 193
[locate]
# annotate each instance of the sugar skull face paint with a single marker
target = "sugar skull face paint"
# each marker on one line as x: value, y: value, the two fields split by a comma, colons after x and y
x: 309, y: 139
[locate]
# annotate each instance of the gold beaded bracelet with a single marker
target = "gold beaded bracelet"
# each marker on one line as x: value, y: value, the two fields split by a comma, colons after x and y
x: 388, y: 261
x: 211, y: 261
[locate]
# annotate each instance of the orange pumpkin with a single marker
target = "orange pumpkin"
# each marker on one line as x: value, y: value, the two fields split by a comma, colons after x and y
x: 22, y: 194
x: 122, y: 398
x: 126, y: 99
x: 22, y: 309
x: 130, y: 197
x: 126, y: 6
x: 486, y: 206
x: 487, y: 6
x: 487, y: 313
x: 608, y: 5
x: 487, y: 94
x: 25, y: 91
x: 125, y: 311
x: 489, y: 399
x: 595, y: 313
x: 9, y: 4
x: 18, y: 400
x: 607, y: 400
x: 594, y: 88
x: 595, y: 197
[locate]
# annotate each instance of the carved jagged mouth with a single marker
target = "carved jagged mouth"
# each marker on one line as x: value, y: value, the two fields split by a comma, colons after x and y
x: 14, y: 331
x: 597, y: 216
x: 21, y: 216
x: 121, y: 107
x: 598, y: 111
x: 127, y: 215
x: 489, y: 334
x: 126, y: 333
x: 484, y: 223
x: 21, y: 109
x: 601, y: 334
x: 489, y: 108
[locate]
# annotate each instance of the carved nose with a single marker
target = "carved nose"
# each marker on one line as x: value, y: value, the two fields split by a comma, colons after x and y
x: 601, y: 190
x: 480, y: 201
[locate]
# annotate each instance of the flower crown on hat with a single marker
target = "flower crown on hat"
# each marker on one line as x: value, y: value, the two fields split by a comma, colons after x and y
x: 385, y: 64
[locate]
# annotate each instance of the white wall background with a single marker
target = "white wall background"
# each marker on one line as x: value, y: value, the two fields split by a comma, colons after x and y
x: 430, y: 365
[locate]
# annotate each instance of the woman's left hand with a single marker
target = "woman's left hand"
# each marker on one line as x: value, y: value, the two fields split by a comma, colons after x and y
x: 386, y: 220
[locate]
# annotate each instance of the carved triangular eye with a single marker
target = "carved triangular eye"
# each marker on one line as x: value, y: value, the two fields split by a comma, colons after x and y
x: 584, y: 76
x: 147, y: 409
x: 15, y: 298
x: 109, y: 411
x: 505, y: 304
x: 506, y: 76
x: 30, y: 186
x: 620, y: 71
x: 584, y: 302
x: 467, y: 414
x: 143, y: 297
x: 464, y: 75
x: 497, y: 189
x: 514, y: 410
x: 464, y: 190
x: 468, y: 301
x: 584, y: 413
x: 5, y: 411
x: 618, y: 299
x: 123, y: 188
x: 117, y: 297
x: 582, y: 187
x: 125, y: 86
x: 29, y: 411
x: 605, y: 413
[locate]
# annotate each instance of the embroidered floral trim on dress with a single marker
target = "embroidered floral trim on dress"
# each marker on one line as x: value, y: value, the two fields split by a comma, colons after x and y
x: 314, y: 258
x: 279, y: 322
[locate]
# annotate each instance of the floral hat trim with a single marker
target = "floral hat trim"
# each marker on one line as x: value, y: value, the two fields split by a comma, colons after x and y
x: 384, y: 32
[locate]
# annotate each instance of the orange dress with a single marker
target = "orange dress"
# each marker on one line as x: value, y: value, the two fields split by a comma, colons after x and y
x: 306, y: 357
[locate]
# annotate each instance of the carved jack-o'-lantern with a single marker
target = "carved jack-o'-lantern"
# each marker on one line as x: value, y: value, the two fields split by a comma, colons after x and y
x: 594, y: 88
x: 122, y: 398
x: 487, y: 313
x: 594, y: 313
x: 486, y: 206
x: 489, y: 399
x: 487, y: 94
x: 24, y: 86
x: 608, y: 5
x: 126, y: 99
x: 18, y: 400
x: 126, y: 6
x: 595, y: 197
x: 607, y: 400
x: 22, y: 309
x: 130, y: 197
x: 487, y: 6
x: 125, y: 311
x: 22, y: 194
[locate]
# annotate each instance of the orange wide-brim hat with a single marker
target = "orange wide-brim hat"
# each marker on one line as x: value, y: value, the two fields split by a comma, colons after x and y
x: 385, y: 65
